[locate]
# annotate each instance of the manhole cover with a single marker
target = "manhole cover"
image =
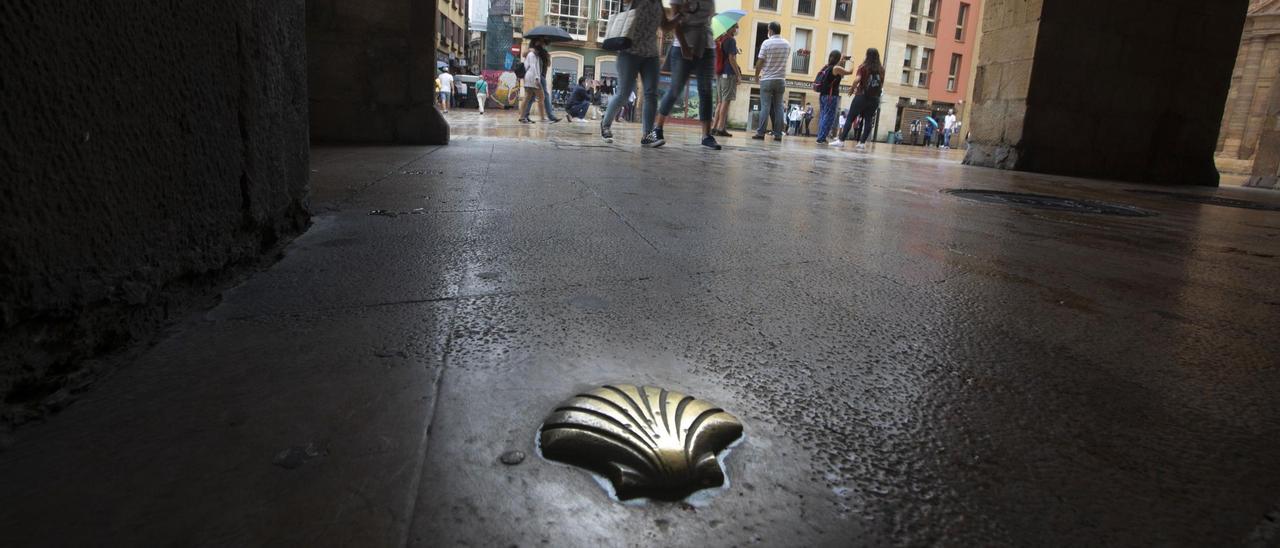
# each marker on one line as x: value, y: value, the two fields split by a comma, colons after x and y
x: 647, y: 441
x: 1210, y: 200
x: 1042, y: 201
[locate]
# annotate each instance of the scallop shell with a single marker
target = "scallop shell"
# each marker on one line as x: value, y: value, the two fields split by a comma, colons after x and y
x: 649, y: 442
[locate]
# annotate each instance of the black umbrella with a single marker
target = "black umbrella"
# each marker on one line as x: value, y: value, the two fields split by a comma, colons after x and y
x: 549, y: 33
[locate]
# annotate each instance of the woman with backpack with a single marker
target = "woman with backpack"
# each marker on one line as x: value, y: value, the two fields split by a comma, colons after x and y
x: 639, y: 60
x: 827, y: 84
x: 867, y: 87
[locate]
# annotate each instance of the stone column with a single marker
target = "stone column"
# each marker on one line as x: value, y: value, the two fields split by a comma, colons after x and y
x: 1266, y: 162
x: 371, y: 71
x: 1101, y: 89
x: 1001, y: 82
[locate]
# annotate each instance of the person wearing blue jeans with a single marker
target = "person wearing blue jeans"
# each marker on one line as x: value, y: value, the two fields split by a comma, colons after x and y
x: 629, y: 67
x: 639, y: 59
x: 681, y: 68
x: 829, y: 96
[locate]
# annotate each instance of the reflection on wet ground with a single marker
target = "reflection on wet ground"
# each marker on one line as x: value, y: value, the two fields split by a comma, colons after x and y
x: 909, y: 367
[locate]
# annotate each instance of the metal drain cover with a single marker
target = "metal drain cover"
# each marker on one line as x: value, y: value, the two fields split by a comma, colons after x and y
x: 1210, y: 200
x: 1054, y: 203
x: 647, y: 441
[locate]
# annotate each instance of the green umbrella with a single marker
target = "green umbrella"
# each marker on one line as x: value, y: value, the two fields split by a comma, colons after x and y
x: 724, y: 21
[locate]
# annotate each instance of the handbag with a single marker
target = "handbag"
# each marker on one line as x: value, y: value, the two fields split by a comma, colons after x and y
x: 617, y: 35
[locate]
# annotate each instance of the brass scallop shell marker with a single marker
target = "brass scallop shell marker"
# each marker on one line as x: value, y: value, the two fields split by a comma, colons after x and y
x: 649, y: 442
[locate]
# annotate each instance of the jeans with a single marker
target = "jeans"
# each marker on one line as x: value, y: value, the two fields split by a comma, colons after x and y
x: 828, y: 109
x: 864, y: 107
x: 681, y: 68
x: 630, y: 66
x: 946, y: 139
x: 546, y: 100
x: 771, y: 106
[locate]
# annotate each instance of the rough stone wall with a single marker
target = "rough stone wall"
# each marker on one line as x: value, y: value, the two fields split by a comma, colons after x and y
x: 1115, y: 90
x: 1256, y: 70
x: 1001, y: 81
x: 1266, y: 163
x: 371, y: 71
x: 147, y: 146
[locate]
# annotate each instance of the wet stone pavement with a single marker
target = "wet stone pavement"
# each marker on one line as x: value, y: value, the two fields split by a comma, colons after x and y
x: 911, y: 366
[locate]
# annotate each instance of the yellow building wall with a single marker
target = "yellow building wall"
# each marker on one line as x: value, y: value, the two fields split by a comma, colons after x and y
x: 868, y: 29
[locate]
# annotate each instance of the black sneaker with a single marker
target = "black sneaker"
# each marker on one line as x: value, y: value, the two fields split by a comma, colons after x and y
x: 710, y: 142
x: 758, y: 137
x: 822, y: 141
x: 653, y: 140
x: 554, y: 120
x: 606, y: 134
x: 777, y: 137
x: 657, y: 133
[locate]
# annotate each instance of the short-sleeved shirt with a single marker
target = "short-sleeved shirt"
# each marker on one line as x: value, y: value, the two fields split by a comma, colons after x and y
x: 728, y: 48
x: 482, y: 86
x: 644, y: 28
x: 774, y: 53
x: 446, y: 83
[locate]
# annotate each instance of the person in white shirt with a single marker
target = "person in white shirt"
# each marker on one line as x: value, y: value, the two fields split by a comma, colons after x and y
x: 793, y: 119
x: 446, y: 89
x: 771, y: 67
x: 482, y: 93
x: 949, y: 128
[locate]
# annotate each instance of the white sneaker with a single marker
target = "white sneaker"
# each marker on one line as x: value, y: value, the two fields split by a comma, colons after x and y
x: 837, y: 143
x: 861, y: 146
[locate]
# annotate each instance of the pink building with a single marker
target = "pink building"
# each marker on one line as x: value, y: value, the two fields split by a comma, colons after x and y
x: 956, y: 36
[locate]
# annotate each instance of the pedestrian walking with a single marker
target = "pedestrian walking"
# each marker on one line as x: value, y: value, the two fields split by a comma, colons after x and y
x: 640, y: 60
x: 482, y: 93
x: 536, y: 62
x: 692, y: 54
x: 808, y: 117
x: 949, y: 126
x: 445, y: 85
x: 868, y: 85
x: 727, y: 73
x: 793, y: 120
x: 928, y: 133
x: 771, y: 67
x: 827, y: 84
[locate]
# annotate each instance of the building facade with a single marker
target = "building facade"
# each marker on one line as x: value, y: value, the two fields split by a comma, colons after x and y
x: 929, y: 61
x: 814, y: 28
x: 452, y: 35
x: 585, y: 20
x: 1256, y: 73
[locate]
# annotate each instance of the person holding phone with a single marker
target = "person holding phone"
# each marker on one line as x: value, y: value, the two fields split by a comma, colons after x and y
x: 829, y: 95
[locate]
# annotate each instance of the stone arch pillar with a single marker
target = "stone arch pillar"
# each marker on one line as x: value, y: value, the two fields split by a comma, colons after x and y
x: 1104, y: 89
